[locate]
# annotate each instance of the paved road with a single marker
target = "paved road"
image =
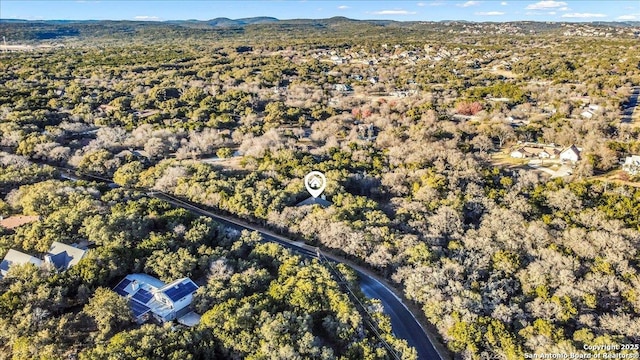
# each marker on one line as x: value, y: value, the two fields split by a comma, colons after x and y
x: 627, y: 113
x: 404, y: 324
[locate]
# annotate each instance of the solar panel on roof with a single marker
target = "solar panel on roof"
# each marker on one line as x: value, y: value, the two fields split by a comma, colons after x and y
x: 181, y: 290
x: 143, y: 296
x: 120, y: 287
x: 138, y: 308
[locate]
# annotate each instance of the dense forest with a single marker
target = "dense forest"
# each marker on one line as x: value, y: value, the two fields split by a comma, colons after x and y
x: 407, y: 124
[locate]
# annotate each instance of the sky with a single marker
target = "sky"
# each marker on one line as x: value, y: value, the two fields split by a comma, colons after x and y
x: 426, y: 10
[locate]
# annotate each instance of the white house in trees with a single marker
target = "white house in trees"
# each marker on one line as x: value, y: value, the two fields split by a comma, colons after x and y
x: 15, y: 257
x: 519, y: 153
x: 150, y: 297
x: 539, y: 151
x: 572, y: 153
x: 632, y: 165
x: 63, y: 256
x: 60, y: 257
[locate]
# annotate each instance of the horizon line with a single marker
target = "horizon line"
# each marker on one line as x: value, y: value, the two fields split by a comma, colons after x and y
x: 328, y: 18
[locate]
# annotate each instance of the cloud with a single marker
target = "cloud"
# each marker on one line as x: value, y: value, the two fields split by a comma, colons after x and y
x: 504, y: 3
x: 547, y: 4
x: 343, y: 7
x: 552, y: 13
x: 628, y: 17
x: 393, y: 12
x: 421, y: 4
x: 146, y: 17
x: 469, y: 3
x: 583, y: 15
x: 489, y: 13
x: 565, y: 8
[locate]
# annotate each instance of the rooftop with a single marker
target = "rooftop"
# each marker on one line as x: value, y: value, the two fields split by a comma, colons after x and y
x: 190, y: 319
x: 315, y: 200
x: 15, y: 257
x: 13, y: 222
x: 139, y: 288
x: 65, y: 256
x: 179, y: 289
x: 148, y: 294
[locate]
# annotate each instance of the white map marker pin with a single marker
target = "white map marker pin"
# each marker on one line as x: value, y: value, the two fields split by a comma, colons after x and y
x: 315, y: 182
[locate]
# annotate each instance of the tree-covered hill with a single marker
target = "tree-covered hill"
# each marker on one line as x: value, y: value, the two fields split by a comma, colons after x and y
x: 22, y: 30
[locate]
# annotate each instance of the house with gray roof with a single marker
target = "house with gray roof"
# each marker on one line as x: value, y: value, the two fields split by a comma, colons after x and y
x: 151, y: 298
x: 15, y: 257
x: 63, y: 256
x: 60, y: 256
x: 322, y: 201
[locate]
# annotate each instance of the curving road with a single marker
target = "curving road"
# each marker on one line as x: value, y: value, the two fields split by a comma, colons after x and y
x: 630, y: 108
x: 404, y: 324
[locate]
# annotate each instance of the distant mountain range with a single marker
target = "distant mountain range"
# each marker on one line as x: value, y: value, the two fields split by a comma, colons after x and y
x: 225, y: 22
x: 35, y: 30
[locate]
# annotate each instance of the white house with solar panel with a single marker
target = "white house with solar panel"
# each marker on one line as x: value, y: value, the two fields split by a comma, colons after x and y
x: 150, y: 297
